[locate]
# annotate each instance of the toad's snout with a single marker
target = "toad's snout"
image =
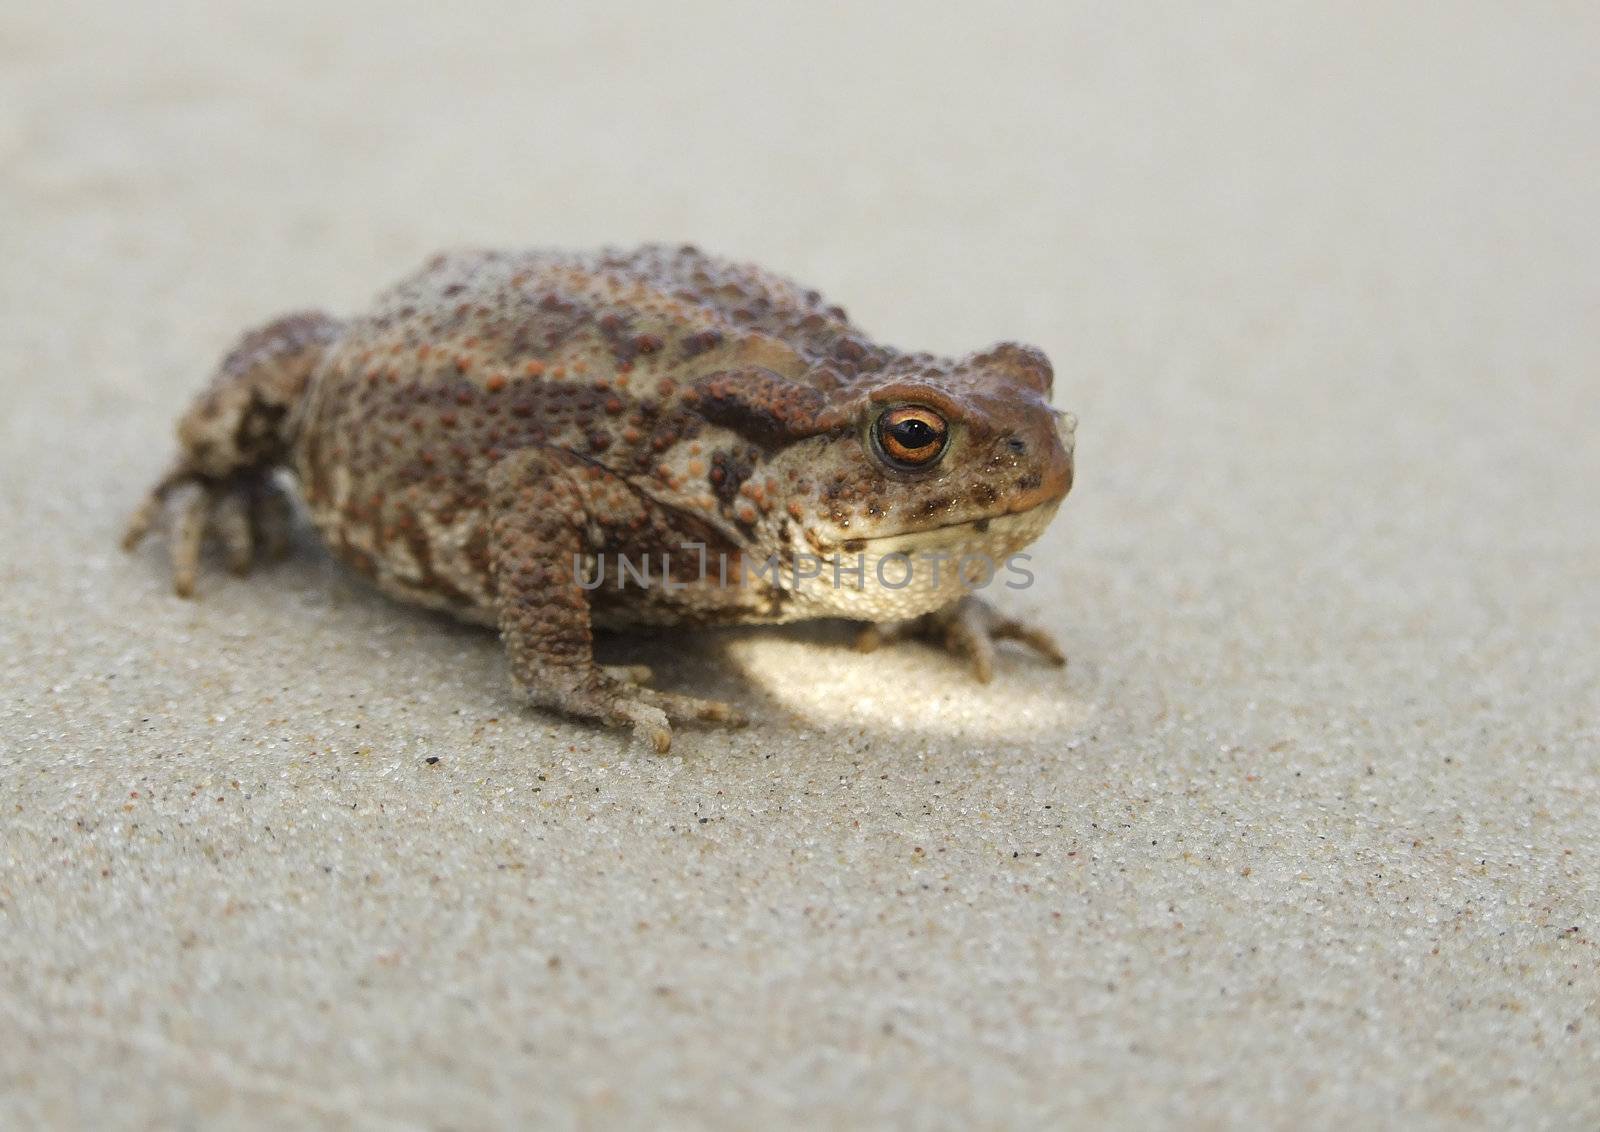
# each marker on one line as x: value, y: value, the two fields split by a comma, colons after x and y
x: 1043, y: 454
x: 1058, y: 476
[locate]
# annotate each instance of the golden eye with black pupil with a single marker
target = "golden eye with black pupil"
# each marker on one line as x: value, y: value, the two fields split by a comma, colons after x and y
x: 910, y: 437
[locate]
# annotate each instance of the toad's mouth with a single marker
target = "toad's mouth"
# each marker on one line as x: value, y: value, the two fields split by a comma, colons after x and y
x: 992, y: 535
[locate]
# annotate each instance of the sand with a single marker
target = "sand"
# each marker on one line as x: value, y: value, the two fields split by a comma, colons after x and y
x: 1305, y: 836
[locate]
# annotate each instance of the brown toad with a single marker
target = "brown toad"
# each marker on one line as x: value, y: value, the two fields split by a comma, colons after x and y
x: 505, y: 429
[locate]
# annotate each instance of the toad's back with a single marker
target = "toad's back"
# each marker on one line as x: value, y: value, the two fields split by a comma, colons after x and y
x: 484, y: 353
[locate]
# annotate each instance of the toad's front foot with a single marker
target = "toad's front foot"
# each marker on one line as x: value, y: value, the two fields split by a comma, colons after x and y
x: 969, y: 628
x: 615, y: 696
x: 248, y: 512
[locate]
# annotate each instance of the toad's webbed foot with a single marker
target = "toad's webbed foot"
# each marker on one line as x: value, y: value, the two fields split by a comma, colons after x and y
x: 968, y: 628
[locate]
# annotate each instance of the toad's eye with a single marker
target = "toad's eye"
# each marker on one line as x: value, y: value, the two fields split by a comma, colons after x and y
x: 910, y: 436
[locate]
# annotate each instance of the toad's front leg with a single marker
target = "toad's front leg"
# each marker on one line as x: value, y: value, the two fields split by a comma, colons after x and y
x: 543, y: 505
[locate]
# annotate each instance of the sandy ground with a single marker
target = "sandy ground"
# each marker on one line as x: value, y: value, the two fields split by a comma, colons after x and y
x: 1307, y: 833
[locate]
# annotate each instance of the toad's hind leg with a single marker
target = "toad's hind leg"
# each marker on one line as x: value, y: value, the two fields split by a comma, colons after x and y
x: 543, y: 505
x: 230, y: 443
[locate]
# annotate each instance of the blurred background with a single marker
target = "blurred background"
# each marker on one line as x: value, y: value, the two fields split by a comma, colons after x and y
x: 1305, y: 835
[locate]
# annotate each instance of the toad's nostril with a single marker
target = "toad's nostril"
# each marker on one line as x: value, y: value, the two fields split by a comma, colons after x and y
x: 1017, y: 444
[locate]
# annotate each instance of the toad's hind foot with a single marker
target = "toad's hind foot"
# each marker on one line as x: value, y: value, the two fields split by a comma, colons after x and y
x: 248, y: 513
x: 967, y: 629
x: 231, y: 440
